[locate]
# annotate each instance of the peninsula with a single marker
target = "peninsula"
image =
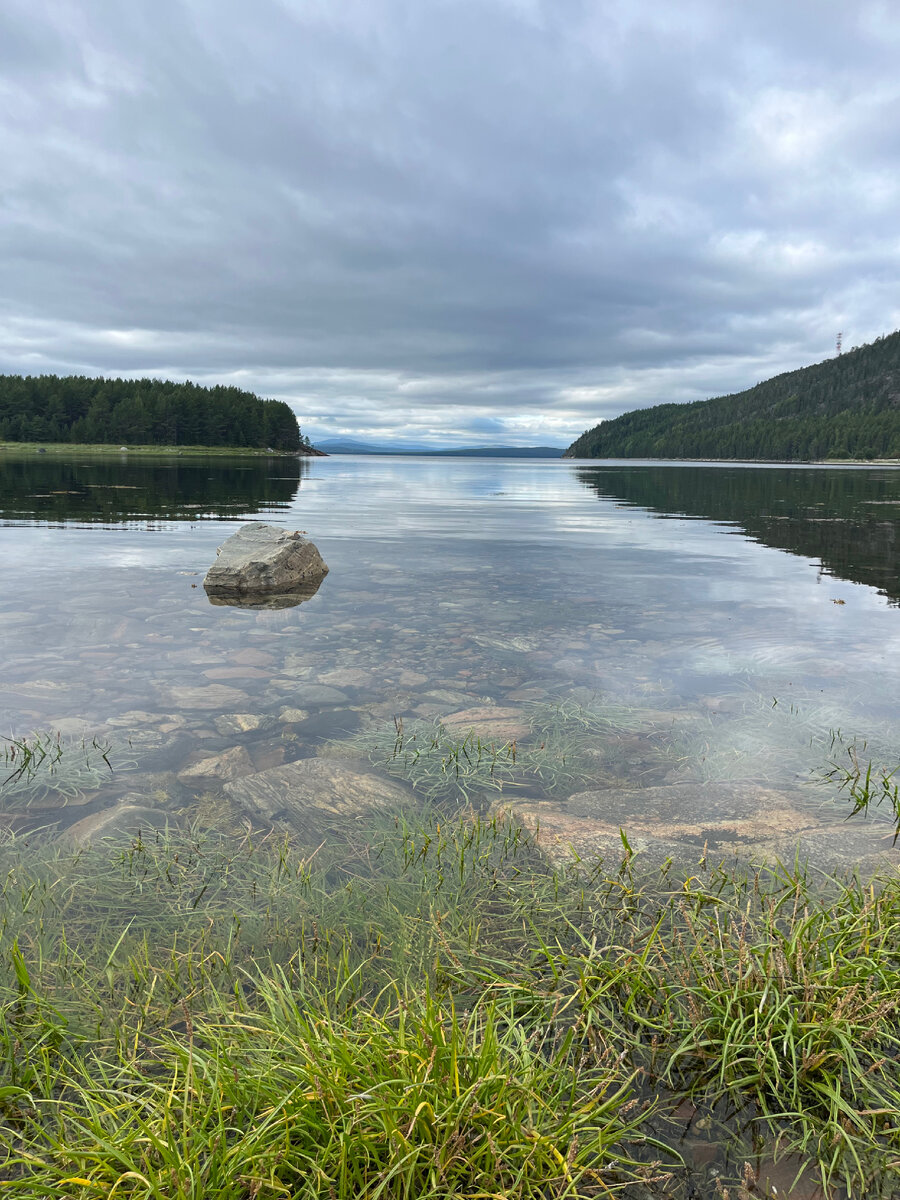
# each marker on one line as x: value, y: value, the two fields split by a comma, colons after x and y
x: 77, y: 409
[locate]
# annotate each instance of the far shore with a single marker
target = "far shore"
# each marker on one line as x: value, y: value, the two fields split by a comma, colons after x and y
x: 753, y: 462
x: 155, y: 451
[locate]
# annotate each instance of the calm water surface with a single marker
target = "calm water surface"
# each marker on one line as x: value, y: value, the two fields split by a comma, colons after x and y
x: 727, y: 619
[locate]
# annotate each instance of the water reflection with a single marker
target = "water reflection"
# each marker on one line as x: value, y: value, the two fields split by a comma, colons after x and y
x: 464, y: 593
x: 847, y: 519
x: 103, y: 490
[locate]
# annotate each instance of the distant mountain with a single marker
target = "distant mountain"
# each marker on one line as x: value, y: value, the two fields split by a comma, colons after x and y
x: 844, y: 408
x: 350, y: 446
x: 500, y: 452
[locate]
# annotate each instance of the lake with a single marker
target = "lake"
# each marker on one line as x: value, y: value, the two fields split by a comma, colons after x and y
x: 680, y: 651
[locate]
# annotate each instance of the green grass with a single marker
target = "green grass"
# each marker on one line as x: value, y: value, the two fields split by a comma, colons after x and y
x: 427, y: 1010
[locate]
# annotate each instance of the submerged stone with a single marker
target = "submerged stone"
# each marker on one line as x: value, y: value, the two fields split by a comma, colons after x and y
x: 265, y: 602
x: 331, y: 723
x: 136, y: 716
x: 488, y: 723
x: 252, y: 658
x: 677, y: 821
x: 313, y: 792
x: 213, y: 696
x: 567, y: 839
x: 74, y: 727
x: 293, y: 716
x: 711, y: 811
x: 315, y: 694
x: 260, y: 559
x: 123, y: 821
x: 349, y: 677
x: 231, y: 723
x: 230, y: 764
x: 217, y: 674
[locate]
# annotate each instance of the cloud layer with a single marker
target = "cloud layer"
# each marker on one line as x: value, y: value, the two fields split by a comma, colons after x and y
x: 447, y: 220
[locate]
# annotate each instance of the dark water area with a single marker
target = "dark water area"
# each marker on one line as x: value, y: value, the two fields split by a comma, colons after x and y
x: 643, y: 621
x: 848, y: 520
x: 100, y: 490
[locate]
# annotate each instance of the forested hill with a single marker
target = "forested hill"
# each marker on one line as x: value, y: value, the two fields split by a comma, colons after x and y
x: 845, y: 407
x: 75, y: 408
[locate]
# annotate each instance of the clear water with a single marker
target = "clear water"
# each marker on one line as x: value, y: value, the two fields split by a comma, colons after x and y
x: 726, y: 619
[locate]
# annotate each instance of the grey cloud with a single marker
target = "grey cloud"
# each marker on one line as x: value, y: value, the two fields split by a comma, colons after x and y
x: 432, y: 216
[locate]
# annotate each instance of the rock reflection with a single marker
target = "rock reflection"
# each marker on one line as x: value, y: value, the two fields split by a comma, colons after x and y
x: 264, y: 600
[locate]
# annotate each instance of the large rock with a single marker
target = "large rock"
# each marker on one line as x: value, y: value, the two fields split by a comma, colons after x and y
x: 675, y: 821
x: 261, y: 559
x: 315, y: 793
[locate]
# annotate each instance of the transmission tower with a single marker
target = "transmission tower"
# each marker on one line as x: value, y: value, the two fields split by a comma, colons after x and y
x: 840, y: 339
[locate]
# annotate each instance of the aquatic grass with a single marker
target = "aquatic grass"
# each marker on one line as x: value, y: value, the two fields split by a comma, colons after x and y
x: 437, y: 762
x: 42, y: 766
x: 549, y: 717
x: 25, y: 755
x: 867, y: 783
x: 763, y: 738
x: 443, y: 765
x: 570, y: 740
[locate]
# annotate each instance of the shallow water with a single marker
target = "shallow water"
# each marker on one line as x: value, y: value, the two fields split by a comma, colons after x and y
x: 721, y: 621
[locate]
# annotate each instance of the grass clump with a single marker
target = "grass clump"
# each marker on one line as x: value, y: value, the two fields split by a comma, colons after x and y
x: 792, y: 997
x: 291, y: 1099
x: 428, y: 1010
x: 196, y: 1019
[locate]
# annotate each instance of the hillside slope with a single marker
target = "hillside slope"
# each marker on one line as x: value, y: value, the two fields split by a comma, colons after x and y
x: 845, y: 407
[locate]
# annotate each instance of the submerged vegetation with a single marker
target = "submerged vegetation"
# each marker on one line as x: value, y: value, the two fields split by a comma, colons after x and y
x: 866, y: 783
x: 444, y: 764
x: 429, y: 1011
x: 44, y: 765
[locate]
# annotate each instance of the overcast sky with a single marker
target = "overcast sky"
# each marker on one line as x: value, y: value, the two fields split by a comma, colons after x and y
x: 454, y: 221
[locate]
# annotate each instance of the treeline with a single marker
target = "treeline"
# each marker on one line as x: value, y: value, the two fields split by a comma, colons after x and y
x: 844, y: 408
x: 75, y: 408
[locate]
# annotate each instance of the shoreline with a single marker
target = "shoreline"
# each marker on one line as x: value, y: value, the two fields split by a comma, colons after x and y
x: 750, y: 462
x: 109, y: 448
